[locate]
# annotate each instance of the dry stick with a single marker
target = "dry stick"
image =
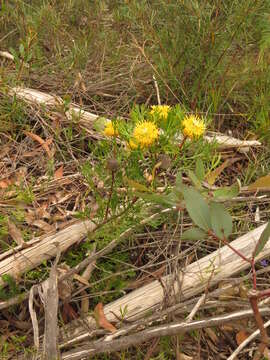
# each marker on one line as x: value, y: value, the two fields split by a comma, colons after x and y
x: 196, y: 308
x: 97, y: 347
x: 247, y: 341
x: 157, y: 89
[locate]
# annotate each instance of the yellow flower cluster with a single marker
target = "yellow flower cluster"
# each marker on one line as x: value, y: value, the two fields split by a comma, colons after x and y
x: 161, y: 110
x: 110, y: 129
x: 193, y: 127
x: 144, y: 134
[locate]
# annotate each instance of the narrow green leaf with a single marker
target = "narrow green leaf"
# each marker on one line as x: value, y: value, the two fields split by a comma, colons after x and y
x: 196, y: 182
x: 179, y: 181
x: 168, y: 200
x: 227, y: 192
x: 197, y: 208
x: 193, y: 234
x: 200, y: 170
x: 221, y: 220
x: 21, y: 50
x: 263, y: 240
x: 137, y: 186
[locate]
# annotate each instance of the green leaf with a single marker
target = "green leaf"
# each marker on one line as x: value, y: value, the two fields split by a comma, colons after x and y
x: 164, y: 200
x: 196, y: 182
x: 179, y: 181
x: 263, y: 240
x: 137, y: 186
x: 193, y: 234
x: 221, y: 220
x: 21, y: 50
x: 200, y: 170
x: 228, y: 192
x: 197, y: 208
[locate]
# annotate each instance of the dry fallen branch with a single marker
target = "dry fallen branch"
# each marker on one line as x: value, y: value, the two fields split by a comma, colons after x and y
x: 219, y: 265
x: 87, y: 119
x: 49, y: 295
x: 43, y: 249
x: 176, y: 328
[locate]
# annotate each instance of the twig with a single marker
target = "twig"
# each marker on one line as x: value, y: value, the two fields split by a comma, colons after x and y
x: 247, y: 341
x: 253, y: 299
x: 157, y: 89
x: 196, y: 308
x: 97, y: 347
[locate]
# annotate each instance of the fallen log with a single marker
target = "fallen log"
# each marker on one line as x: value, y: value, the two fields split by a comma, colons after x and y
x: 208, y: 271
x: 86, y: 118
x: 38, y: 250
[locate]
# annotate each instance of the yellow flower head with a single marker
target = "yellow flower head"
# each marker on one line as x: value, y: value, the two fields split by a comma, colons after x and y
x: 145, y: 133
x: 161, y: 110
x: 110, y: 129
x: 193, y: 127
x: 132, y: 144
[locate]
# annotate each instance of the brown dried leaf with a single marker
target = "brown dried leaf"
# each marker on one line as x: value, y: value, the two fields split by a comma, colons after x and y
x: 241, y: 336
x: 101, y: 319
x: 43, y: 143
x: 43, y: 225
x: 261, y: 183
x: 213, y: 175
x: 59, y: 173
x: 4, y: 183
x: 15, y: 233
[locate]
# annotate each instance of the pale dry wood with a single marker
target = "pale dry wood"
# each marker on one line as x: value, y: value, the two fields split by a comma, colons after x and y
x: 48, y: 292
x: 89, y: 349
x: 26, y: 259
x: 87, y: 119
x: 219, y: 265
x: 7, y: 55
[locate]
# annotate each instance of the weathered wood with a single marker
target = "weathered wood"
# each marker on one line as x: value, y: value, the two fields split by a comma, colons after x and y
x: 219, y: 265
x: 87, y: 119
x: 26, y: 259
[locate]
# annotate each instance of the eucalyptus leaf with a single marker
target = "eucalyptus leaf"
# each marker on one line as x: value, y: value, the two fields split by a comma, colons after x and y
x: 227, y: 192
x: 221, y: 220
x: 194, y: 234
x: 197, y: 208
x: 265, y: 235
x: 200, y: 170
x: 196, y: 182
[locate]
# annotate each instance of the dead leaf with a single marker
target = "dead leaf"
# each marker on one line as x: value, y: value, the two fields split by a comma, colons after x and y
x: 213, y: 175
x: 15, y: 233
x: 43, y: 225
x: 101, y: 319
x: 59, y: 173
x: 241, y: 336
x: 182, y: 356
x: 43, y: 143
x: 261, y: 183
x: 5, y: 183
